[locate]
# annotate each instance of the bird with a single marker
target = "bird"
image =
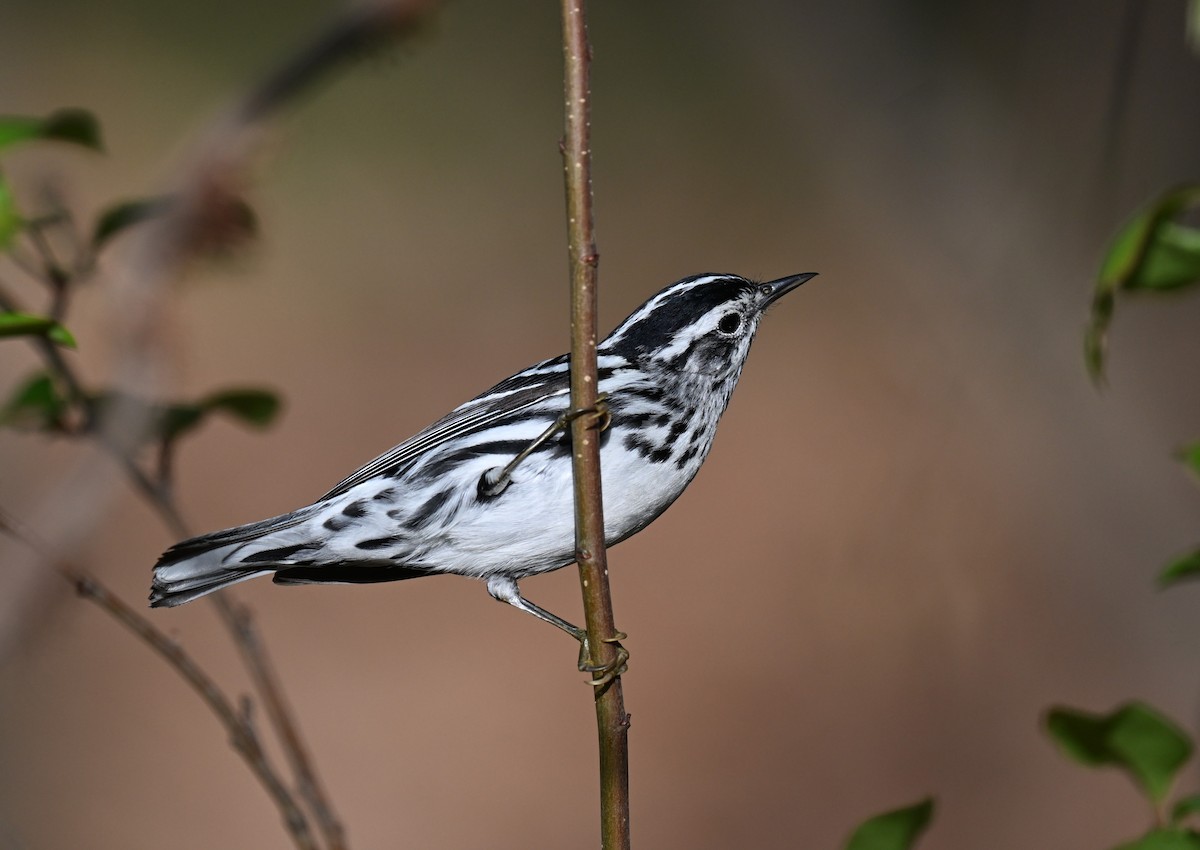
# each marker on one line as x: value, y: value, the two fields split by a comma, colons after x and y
x: 486, y: 491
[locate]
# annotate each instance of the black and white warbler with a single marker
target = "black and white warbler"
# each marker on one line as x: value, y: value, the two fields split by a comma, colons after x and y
x: 486, y: 491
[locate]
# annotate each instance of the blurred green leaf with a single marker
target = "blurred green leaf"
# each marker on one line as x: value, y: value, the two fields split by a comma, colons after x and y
x: 10, y: 220
x: 1185, y: 807
x: 36, y: 405
x: 116, y: 218
x: 1190, y: 455
x: 1152, y: 746
x: 16, y: 128
x: 1185, y: 567
x: 1153, y: 251
x: 254, y: 407
x: 895, y: 830
x: 257, y: 408
x: 25, y: 324
x: 1124, y: 265
x: 60, y: 335
x: 1165, y: 839
x: 1171, y: 260
x: 1082, y: 736
x: 177, y: 419
x: 76, y: 126
x: 1134, y: 737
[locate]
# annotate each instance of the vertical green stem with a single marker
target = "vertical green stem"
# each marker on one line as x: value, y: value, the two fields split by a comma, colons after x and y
x: 611, y: 721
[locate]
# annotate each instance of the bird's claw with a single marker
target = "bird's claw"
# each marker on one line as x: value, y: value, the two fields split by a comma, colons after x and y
x: 598, y: 411
x: 602, y: 674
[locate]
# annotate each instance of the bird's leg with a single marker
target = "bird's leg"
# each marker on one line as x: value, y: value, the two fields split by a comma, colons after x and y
x: 505, y: 590
x: 493, y: 483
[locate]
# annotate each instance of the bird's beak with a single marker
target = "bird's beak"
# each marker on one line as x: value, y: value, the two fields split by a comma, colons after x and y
x: 776, y: 289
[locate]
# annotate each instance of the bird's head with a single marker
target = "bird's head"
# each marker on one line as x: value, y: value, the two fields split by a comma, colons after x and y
x: 702, y: 324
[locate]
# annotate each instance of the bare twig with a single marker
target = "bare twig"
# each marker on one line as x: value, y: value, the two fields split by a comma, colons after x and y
x: 240, y: 625
x: 611, y: 720
x: 205, y: 217
x: 254, y: 654
x: 241, y: 733
x: 206, y: 200
x: 355, y: 33
x: 236, y: 723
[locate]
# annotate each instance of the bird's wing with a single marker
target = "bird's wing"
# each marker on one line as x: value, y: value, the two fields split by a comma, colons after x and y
x: 509, y: 397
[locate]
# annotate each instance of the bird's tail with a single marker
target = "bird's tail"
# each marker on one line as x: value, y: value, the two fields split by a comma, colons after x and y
x: 200, y: 565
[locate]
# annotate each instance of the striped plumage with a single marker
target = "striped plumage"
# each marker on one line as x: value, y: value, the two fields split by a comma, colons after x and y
x: 423, y: 508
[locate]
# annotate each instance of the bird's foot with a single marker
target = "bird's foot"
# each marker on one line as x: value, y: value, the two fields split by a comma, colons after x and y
x: 602, y: 674
x: 599, y: 413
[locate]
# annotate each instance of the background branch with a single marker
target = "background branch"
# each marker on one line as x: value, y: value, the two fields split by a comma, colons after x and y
x: 612, y: 723
x: 237, y: 723
x: 205, y: 215
x: 241, y: 733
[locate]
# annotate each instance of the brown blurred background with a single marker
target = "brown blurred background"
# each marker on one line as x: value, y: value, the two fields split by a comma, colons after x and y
x: 920, y: 525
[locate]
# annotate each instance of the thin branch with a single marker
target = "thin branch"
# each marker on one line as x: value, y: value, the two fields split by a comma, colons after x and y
x: 52, y: 269
x: 612, y: 722
x: 207, y: 195
x: 241, y: 734
x: 355, y: 33
x: 253, y: 653
x: 209, y: 186
x: 238, y: 620
x: 240, y: 624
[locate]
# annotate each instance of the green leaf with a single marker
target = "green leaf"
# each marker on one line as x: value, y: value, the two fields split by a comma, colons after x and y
x: 1082, y: 736
x: 16, y: 128
x: 123, y: 215
x: 1125, y: 265
x: 895, y: 830
x: 60, y: 335
x: 1185, y: 807
x: 1190, y: 455
x: 1151, y: 745
x: 25, y: 324
x: 10, y: 220
x: 76, y: 126
x: 257, y: 408
x: 177, y: 419
x: 253, y: 407
x: 36, y: 405
x: 1153, y: 252
x: 1165, y: 839
x: 1183, y: 567
x: 1171, y: 260
x: 1134, y: 737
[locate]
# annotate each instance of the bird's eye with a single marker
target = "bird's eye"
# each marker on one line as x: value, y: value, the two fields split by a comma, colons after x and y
x: 730, y: 323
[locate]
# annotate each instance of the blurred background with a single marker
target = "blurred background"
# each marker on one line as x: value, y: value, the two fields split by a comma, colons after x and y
x: 920, y: 526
